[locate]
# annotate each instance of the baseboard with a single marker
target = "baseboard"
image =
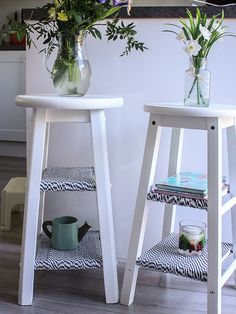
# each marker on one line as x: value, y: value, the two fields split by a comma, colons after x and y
x: 13, y: 149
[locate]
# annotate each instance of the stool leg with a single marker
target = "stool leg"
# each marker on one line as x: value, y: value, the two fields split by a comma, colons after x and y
x: 41, y: 211
x: 6, y: 207
x: 29, y: 236
x: 214, y: 161
x: 29, y: 119
x: 176, y: 148
x: 231, y: 146
x: 141, y: 211
x: 42, y: 194
x: 103, y: 190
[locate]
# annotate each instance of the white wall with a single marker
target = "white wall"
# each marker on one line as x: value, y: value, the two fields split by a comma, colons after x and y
x: 153, y: 76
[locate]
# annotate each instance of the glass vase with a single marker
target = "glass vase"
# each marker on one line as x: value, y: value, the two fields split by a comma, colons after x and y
x: 197, y: 83
x: 71, y: 72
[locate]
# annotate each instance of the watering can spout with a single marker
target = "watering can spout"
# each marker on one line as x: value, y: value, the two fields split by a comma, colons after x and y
x: 83, y: 230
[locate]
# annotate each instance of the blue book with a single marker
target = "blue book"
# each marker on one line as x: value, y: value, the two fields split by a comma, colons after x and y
x: 188, y: 182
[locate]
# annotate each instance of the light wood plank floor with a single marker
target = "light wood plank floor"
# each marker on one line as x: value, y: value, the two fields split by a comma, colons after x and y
x: 82, y: 292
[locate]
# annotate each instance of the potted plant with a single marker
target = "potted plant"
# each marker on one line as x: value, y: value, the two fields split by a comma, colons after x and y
x: 65, y: 24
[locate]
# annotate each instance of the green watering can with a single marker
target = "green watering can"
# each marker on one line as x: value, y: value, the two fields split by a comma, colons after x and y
x: 65, y: 234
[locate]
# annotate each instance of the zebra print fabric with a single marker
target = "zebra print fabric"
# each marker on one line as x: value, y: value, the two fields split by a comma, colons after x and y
x: 182, y: 200
x: 68, y: 179
x: 87, y: 255
x: 177, y: 200
x: 164, y: 257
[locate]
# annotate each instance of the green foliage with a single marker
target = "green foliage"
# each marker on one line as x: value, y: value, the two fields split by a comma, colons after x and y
x: 200, y: 34
x: 19, y: 28
x: 183, y: 243
x: 127, y: 32
x: 74, y: 16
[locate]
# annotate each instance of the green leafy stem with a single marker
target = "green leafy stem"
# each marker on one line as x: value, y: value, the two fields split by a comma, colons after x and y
x: 124, y: 32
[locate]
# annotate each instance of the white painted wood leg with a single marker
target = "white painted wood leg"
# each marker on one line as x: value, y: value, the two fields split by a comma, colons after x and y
x: 29, y: 237
x: 29, y: 119
x: 42, y: 194
x: 141, y: 211
x: 103, y: 190
x: 41, y: 211
x: 231, y: 145
x: 176, y: 148
x: 214, y: 215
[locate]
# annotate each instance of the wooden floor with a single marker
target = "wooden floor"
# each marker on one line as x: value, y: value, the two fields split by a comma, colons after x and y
x: 82, y: 292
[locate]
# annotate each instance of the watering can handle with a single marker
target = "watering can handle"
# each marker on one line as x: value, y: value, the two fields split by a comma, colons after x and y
x: 45, y: 228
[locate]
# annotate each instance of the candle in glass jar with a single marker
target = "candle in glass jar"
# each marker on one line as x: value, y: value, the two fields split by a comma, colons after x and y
x: 192, y: 236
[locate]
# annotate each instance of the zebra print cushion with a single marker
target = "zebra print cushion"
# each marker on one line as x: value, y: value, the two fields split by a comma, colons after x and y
x: 182, y: 200
x: 177, y: 200
x: 88, y: 254
x: 165, y: 257
x: 68, y: 179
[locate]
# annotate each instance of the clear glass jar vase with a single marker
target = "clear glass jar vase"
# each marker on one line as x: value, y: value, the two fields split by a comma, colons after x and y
x: 71, y: 72
x: 197, y: 83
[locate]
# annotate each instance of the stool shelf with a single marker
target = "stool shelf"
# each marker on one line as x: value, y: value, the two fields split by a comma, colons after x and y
x: 68, y: 179
x: 181, y: 200
x: 87, y: 256
x: 200, y: 203
x: 164, y: 257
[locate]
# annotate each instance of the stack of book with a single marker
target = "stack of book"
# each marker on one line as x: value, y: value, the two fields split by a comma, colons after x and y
x: 187, y: 184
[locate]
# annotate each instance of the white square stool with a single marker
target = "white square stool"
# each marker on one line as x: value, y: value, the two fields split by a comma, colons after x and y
x: 12, y: 194
x: 47, y: 109
x: 163, y: 256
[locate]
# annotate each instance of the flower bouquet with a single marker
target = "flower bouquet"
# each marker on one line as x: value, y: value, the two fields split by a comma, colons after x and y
x: 198, y: 36
x: 65, y: 24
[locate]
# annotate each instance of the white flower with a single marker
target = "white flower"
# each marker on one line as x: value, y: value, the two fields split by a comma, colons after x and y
x: 205, y: 32
x: 129, y: 6
x: 181, y: 36
x: 192, y: 47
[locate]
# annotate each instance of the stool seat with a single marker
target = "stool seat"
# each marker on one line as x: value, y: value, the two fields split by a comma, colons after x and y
x: 68, y: 179
x: 178, y: 110
x: 77, y: 103
x: 16, y: 186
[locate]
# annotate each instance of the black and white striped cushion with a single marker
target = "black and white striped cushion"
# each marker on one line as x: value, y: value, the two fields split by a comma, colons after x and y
x: 177, y: 200
x: 68, y: 179
x: 88, y: 254
x: 165, y: 257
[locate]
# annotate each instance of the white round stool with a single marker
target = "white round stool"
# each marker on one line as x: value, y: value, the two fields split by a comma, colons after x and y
x: 88, y: 109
